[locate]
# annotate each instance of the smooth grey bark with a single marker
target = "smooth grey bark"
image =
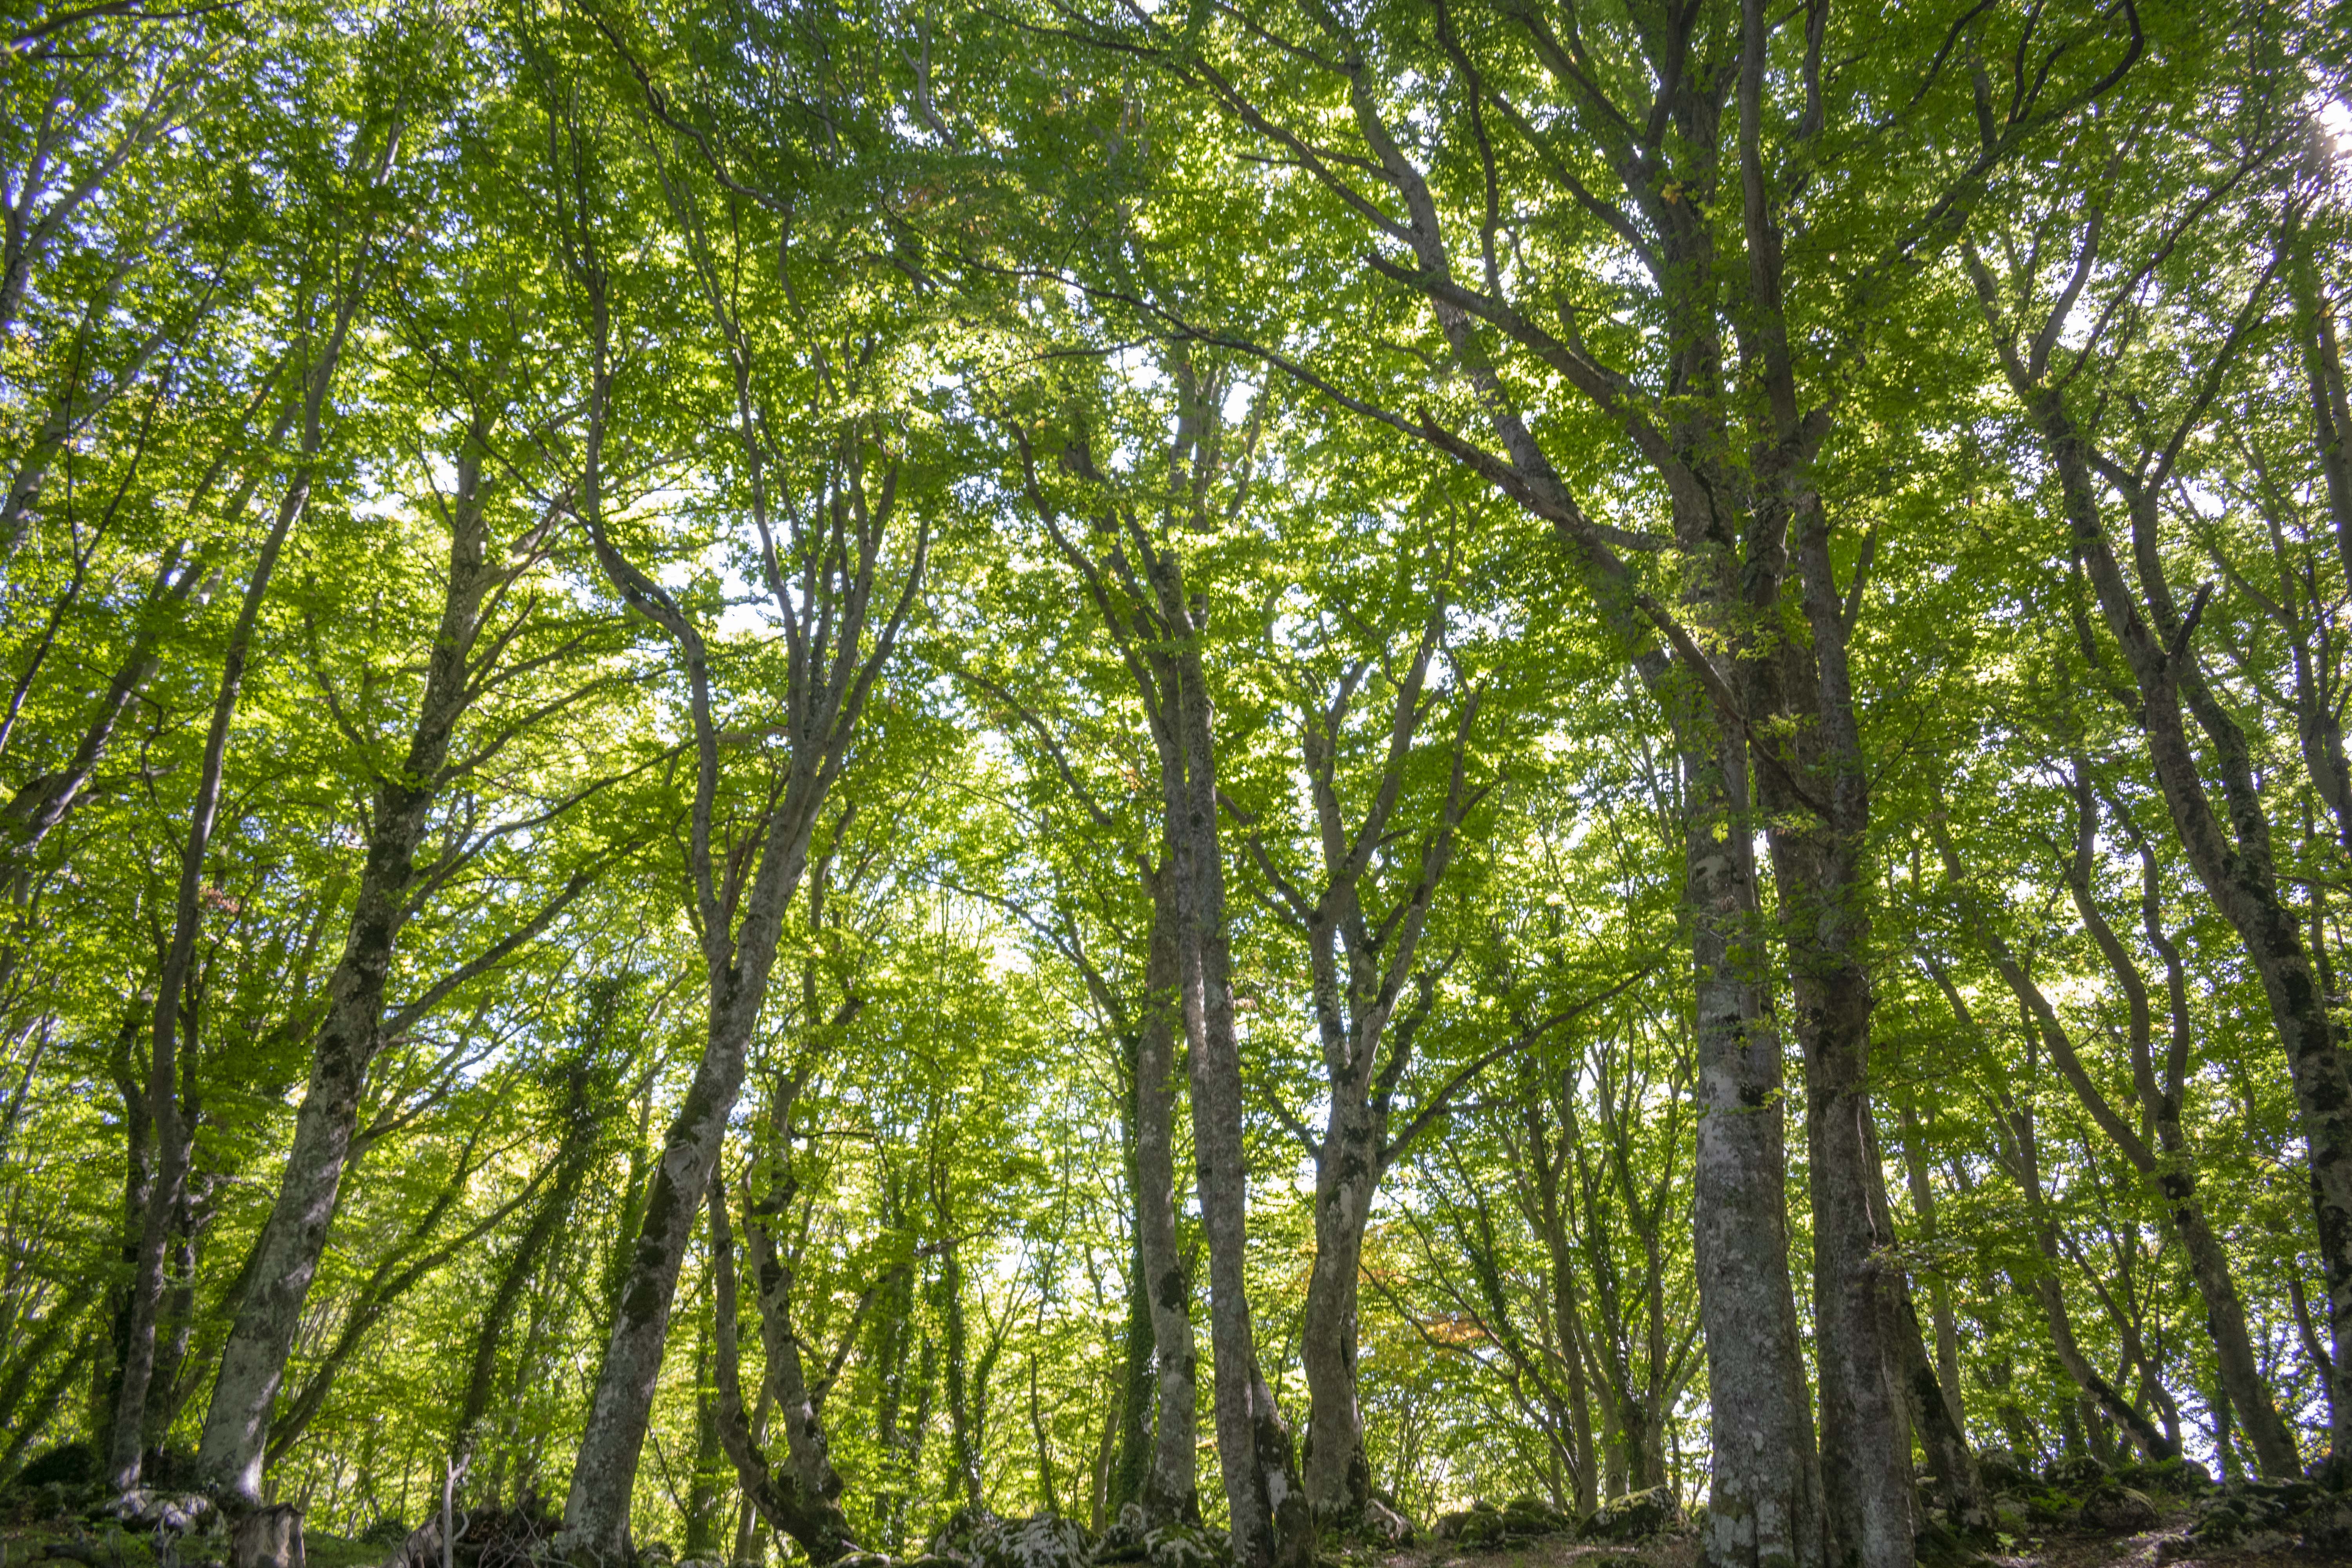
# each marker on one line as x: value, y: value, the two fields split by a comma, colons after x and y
x: 1272, y: 1521
x: 1813, y: 786
x: 1136, y: 579
x: 1764, y: 1500
x: 835, y: 648
x: 1768, y: 1495
x: 235, y: 1437
x: 1172, y: 1486
x: 1368, y: 1002
x: 1158, y: 1415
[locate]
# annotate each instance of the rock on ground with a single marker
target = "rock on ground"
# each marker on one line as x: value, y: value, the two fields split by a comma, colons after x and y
x: 1046, y: 1541
x: 1632, y: 1516
x: 2118, y: 1510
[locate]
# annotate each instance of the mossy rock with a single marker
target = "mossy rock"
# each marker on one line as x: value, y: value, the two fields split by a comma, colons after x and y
x: 2226, y: 1521
x: 2046, y: 1508
x: 1122, y: 1540
x: 1634, y: 1517
x: 1481, y: 1528
x: 2327, y: 1527
x: 2289, y: 1494
x: 2175, y: 1476
x: 2006, y: 1470
x: 2118, y: 1510
x: 1533, y: 1516
x: 1045, y: 1541
x: 1182, y: 1545
x: 954, y: 1538
x: 2077, y: 1473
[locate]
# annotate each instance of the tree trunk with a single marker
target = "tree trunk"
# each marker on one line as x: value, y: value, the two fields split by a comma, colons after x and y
x: 2235, y: 864
x: 1940, y: 1289
x: 166, y: 1192
x: 1272, y: 1524
x: 573, y: 1162
x: 285, y: 1256
x: 807, y: 1513
x: 706, y: 1499
x: 960, y: 1419
x: 1814, y: 791
x: 1339, y: 1478
x: 1934, y: 1421
x: 1764, y: 1499
x: 1172, y: 1489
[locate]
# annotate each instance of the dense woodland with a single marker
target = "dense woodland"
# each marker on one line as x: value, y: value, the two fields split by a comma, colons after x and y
x: 771, y: 767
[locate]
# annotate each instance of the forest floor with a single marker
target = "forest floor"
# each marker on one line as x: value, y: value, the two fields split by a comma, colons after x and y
x: 64, y: 1539
x: 2052, y: 1549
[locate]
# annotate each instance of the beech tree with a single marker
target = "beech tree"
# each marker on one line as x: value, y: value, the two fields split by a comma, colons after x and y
x: 829, y: 776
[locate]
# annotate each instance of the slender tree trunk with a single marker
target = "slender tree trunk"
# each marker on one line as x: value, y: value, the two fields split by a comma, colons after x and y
x: 785, y: 1498
x: 1171, y: 1489
x: 1338, y: 1476
x: 2235, y: 864
x: 286, y: 1258
x: 1131, y: 1427
x: 595, y: 1513
x: 1814, y: 792
x: 579, y: 1140
x: 959, y: 1404
x: 1569, y: 1329
x: 706, y: 1499
x: 2096, y: 1392
x: 165, y: 1193
x: 832, y: 669
x: 1272, y: 1524
x: 1934, y: 1421
x: 1049, y: 1497
x: 1939, y: 1289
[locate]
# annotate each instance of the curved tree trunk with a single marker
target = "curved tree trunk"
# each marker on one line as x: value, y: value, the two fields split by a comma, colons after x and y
x: 285, y: 1258
x: 798, y: 1500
